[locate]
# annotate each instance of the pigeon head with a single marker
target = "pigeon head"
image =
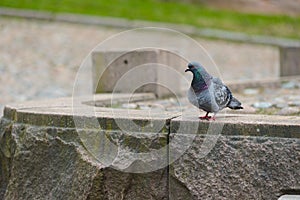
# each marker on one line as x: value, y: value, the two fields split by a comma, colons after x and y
x: 198, y: 71
x: 200, y: 76
x: 194, y: 67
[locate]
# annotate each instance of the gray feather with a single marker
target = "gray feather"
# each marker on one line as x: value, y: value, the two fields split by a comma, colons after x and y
x: 234, y: 104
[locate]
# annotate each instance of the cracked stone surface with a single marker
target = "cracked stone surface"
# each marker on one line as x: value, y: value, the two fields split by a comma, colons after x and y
x: 51, y: 163
x: 239, y: 167
x: 44, y: 156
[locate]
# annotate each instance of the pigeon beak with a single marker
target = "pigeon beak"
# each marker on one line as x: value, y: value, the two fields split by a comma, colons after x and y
x: 187, y: 70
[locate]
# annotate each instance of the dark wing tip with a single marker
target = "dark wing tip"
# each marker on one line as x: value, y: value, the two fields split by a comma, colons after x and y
x: 235, y: 104
x: 235, y: 107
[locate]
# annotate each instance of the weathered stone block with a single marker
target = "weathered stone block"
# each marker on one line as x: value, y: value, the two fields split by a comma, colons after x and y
x: 289, y: 61
x: 6, y: 150
x: 39, y: 162
x: 44, y: 156
x: 233, y: 163
x: 144, y: 70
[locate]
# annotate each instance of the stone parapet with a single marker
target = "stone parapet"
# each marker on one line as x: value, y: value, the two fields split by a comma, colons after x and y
x: 45, y: 156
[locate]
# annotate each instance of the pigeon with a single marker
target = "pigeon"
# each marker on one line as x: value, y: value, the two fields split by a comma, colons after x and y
x: 209, y: 93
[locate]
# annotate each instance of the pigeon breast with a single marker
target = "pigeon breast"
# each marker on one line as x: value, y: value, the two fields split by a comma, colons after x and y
x: 203, y: 100
x: 213, y: 99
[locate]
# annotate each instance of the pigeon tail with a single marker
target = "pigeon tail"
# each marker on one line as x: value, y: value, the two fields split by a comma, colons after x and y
x: 235, y: 104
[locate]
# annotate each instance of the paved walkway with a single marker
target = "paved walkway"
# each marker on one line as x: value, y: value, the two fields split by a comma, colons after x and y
x: 39, y: 59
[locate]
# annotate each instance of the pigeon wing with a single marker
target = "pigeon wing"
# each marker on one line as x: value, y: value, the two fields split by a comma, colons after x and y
x: 221, y: 93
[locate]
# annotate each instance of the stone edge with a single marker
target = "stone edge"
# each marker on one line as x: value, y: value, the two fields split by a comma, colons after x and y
x: 235, y: 128
x: 172, y: 123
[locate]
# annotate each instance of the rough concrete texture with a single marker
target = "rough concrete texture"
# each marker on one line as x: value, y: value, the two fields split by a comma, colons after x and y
x: 51, y: 163
x: 289, y: 61
x: 236, y: 157
x: 238, y: 167
x: 7, y: 148
x: 43, y: 156
x: 126, y: 71
x: 240, y: 124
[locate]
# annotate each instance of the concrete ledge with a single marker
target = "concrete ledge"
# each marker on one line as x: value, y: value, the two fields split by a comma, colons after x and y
x: 235, y: 157
x: 57, y: 166
x: 289, y: 61
x: 254, y: 157
x: 239, y: 86
x: 142, y: 67
x: 59, y: 113
x: 242, y: 125
x: 236, y: 167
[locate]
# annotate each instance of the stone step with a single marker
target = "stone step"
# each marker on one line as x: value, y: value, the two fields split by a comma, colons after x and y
x: 141, y: 154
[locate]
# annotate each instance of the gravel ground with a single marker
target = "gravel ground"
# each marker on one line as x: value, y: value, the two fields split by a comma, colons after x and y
x: 39, y: 59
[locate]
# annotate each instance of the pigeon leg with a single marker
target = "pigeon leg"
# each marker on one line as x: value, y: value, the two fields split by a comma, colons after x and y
x: 205, y: 117
x: 214, y: 117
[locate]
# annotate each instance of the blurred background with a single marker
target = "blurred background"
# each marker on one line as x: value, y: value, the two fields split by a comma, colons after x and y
x: 39, y: 57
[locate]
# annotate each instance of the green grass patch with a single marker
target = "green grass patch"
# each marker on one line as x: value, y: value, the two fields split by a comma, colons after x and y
x: 173, y: 12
